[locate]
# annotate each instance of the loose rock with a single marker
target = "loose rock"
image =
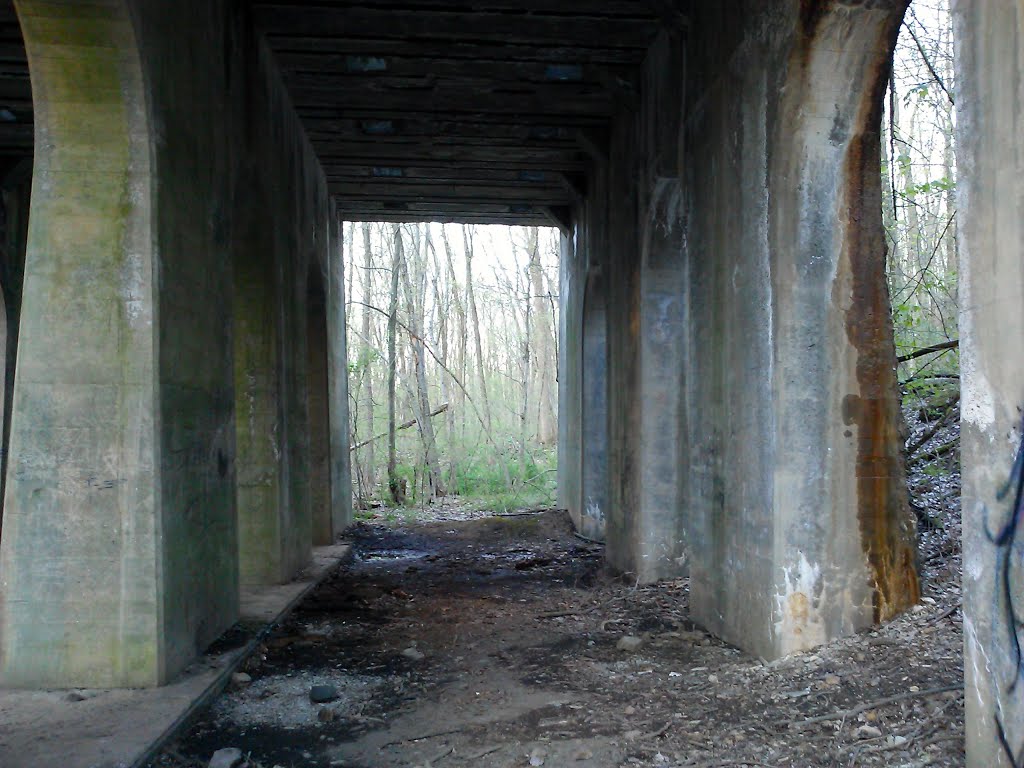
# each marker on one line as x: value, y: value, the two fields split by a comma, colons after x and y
x: 630, y: 643
x: 321, y: 694
x: 414, y: 653
x: 229, y: 757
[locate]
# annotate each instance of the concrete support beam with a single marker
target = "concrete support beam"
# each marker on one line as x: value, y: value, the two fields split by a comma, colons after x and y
x: 570, y: 372
x: 648, y: 314
x: 282, y: 335
x: 167, y: 260
x: 318, y: 414
x: 337, y: 380
x: 800, y: 527
x: 990, y: 111
x: 117, y: 558
x: 594, y: 389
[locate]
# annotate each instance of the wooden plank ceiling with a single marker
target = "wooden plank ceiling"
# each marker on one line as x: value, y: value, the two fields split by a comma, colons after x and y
x: 16, y: 128
x: 459, y: 110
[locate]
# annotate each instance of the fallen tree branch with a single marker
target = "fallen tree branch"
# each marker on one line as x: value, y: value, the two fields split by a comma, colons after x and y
x: 939, y: 452
x: 943, y: 347
x: 934, y: 428
x: 404, y: 425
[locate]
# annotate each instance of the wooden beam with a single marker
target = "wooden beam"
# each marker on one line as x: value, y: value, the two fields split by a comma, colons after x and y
x: 418, y: 127
x: 337, y: 154
x: 559, y: 53
x: 493, y: 69
x: 635, y: 9
x: 471, y: 194
x: 545, y: 103
x: 361, y: 22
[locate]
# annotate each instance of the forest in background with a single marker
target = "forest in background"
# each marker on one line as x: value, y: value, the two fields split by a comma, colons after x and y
x: 453, y: 354
x: 919, y: 175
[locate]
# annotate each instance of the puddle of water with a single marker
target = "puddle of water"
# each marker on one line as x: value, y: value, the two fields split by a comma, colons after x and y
x: 394, y: 554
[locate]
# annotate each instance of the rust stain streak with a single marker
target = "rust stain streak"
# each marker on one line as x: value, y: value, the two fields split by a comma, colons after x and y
x: 888, y: 532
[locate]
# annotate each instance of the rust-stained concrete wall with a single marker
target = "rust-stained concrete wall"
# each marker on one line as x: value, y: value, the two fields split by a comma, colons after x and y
x: 990, y: 154
x: 803, y: 531
x: 753, y: 409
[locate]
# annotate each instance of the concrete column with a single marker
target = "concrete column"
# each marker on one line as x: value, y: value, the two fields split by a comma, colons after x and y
x: 570, y: 396
x: 659, y: 520
x: 800, y: 530
x: 594, y: 430
x: 337, y: 379
x: 990, y: 111
x: 318, y: 415
x: 284, y: 230
x: 260, y: 439
x: 119, y: 485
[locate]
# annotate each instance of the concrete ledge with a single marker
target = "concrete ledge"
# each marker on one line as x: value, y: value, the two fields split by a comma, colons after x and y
x: 126, y: 728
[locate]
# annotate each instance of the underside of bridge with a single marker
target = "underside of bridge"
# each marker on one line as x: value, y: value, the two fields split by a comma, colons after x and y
x: 178, y: 420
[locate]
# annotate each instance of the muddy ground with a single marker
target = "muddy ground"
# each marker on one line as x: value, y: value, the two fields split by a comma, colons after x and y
x: 497, y: 641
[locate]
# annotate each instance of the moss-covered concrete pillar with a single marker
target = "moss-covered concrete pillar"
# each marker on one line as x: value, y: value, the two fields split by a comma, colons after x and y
x: 318, y: 413
x: 990, y: 112
x: 115, y: 488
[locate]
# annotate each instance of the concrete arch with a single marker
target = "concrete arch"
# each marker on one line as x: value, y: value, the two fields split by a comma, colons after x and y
x: 81, y: 481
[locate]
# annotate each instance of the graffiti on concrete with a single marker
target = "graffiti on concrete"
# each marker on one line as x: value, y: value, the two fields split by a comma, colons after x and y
x: 1006, y: 541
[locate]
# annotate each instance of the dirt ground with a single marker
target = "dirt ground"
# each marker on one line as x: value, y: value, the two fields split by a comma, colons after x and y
x: 498, y: 641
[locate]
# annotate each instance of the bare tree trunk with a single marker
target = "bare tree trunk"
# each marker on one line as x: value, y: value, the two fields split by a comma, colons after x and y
x: 370, y: 466
x: 416, y: 301
x: 397, y: 493
x: 474, y: 318
x: 544, y: 362
x: 460, y: 346
x: 524, y: 427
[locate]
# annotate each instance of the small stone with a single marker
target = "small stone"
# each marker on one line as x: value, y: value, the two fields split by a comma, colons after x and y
x: 629, y: 643
x: 241, y: 678
x: 75, y: 696
x: 583, y: 754
x: 630, y: 710
x: 414, y: 654
x: 537, y: 757
x: 321, y: 694
x: 713, y: 679
x: 326, y: 715
x: 896, y: 741
x: 832, y: 680
x: 632, y: 735
x: 229, y: 757
x: 867, y: 732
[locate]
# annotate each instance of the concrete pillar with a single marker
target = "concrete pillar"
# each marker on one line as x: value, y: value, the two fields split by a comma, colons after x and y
x: 337, y: 379
x: 658, y: 524
x: 570, y: 362
x: 594, y: 429
x: 990, y: 111
x: 261, y: 440
x: 318, y: 413
x: 283, y: 232
x: 117, y: 556
x: 799, y: 527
